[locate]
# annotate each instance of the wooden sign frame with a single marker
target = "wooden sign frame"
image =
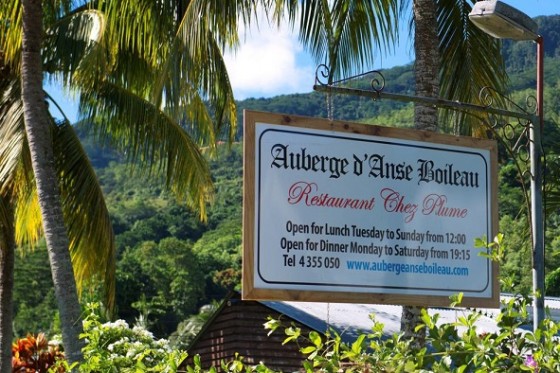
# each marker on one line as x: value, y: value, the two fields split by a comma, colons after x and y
x: 283, y: 256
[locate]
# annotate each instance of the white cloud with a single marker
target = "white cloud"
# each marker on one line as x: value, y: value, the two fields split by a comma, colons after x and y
x: 269, y: 62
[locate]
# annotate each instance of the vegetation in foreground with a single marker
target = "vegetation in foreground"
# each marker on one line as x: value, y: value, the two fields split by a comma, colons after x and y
x: 116, y: 347
x: 450, y: 347
x: 150, y: 225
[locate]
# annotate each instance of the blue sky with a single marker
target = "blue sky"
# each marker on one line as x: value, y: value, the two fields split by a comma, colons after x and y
x: 271, y: 61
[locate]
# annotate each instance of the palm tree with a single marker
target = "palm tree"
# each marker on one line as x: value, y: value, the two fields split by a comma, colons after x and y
x: 340, y: 32
x: 83, y: 206
x: 347, y: 34
x: 426, y: 76
x: 442, y: 29
x: 39, y: 139
x: 151, y: 102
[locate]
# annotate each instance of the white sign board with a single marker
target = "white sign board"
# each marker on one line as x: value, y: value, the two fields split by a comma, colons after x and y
x: 391, y: 218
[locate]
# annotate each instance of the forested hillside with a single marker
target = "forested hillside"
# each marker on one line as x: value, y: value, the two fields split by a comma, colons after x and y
x: 170, y: 264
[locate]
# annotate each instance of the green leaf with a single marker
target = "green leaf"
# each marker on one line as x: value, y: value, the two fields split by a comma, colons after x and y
x: 480, y: 242
x: 292, y: 333
x: 410, y: 366
x: 357, y: 345
x: 456, y: 299
x: 272, y: 325
x: 307, y: 350
x: 315, y: 339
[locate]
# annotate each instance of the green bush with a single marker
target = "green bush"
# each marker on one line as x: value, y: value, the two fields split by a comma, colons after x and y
x: 116, y: 347
x: 552, y: 283
x: 446, y: 350
x: 450, y: 347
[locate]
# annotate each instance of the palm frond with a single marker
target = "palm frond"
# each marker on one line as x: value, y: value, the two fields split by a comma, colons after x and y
x: 10, y: 33
x: 221, y: 19
x: 472, y: 60
x: 6, y: 220
x: 148, y: 35
x: 195, y: 64
x: 12, y: 133
x: 28, y: 221
x: 69, y: 40
x: 186, y: 55
x: 363, y: 28
x: 220, y: 96
x: 148, y: 135
x: 178, y: 83
x: 348, y: 34
x: 92, y: 245
x: 16, y: 177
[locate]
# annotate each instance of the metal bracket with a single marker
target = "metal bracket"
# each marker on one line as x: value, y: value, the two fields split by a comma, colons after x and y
x: 516, y: 144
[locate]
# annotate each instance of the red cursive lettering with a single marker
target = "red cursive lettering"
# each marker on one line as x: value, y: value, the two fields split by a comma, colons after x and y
x: 437, y: 204
x: 299, y: 191
x: 394, y: 202
x: 307, y: 193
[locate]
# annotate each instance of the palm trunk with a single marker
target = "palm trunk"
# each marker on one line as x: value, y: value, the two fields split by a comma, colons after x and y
x: 7, y: 250
x: 426, y: 47
x: 427, y: 65
x: 40, y: 145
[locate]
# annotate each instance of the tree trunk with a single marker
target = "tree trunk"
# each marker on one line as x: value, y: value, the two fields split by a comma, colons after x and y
x: 426, y: 47
x: 410, y: 319
x: 427, y: 65
x: 40, y: 145
x: 7, y: 252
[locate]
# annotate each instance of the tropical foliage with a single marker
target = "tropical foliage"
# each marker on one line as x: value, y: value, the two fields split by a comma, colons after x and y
x: 161, y: 121
x: 141, y: 111
x: 458, y: 346
x: 451, y: 347
x: 37, y: 354
x: 146, y: 219
x: 117, y: 347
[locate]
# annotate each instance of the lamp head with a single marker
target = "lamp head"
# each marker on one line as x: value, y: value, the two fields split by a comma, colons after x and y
x: 503, y: 21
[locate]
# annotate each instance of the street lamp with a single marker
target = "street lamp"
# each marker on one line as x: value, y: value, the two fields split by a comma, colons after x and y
x: 505, y: 22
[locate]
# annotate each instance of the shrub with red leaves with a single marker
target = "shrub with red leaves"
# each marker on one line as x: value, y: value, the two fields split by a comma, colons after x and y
x: 33, y: 354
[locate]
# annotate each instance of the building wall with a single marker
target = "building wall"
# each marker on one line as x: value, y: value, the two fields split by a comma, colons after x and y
x: 238, y: 327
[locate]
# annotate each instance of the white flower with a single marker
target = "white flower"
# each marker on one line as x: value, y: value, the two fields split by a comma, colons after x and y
x: 118, y: 324
x: 141, y: 331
